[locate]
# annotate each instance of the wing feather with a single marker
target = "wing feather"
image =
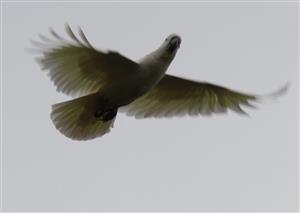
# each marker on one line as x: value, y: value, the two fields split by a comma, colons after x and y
x: 174, y: 96
x: 77, y: 68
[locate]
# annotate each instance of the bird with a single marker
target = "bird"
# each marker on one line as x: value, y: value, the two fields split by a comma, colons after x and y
x: 104, y: 83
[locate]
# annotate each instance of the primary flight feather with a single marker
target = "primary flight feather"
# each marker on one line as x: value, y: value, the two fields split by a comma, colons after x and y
x: 102, y: 82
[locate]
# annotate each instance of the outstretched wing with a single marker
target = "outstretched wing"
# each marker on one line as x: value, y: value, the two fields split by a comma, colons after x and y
x: 174, y: 96
x: 77, y: 68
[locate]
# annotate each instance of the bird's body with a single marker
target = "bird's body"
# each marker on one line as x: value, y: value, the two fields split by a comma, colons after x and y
x: 136, y: 83
x: 103, y: 82
x: 122, y: 93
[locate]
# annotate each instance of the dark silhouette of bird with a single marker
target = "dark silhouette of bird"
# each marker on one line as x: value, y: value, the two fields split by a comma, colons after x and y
x: 104, y: 82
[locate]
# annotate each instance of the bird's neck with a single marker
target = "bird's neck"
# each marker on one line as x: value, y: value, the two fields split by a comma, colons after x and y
x: 158, y: 60
x: 153, y: 68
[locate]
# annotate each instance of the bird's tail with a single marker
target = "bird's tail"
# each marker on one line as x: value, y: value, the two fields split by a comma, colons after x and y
x: 77, y: 119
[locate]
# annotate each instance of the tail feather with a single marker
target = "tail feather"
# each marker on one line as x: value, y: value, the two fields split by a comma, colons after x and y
x: 75, y: 119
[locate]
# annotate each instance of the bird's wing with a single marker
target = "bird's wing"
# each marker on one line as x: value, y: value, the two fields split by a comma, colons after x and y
x: 77, y: 68
x: 174, y: 96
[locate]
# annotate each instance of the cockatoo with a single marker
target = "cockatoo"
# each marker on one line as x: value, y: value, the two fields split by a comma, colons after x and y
x: 103, y: 82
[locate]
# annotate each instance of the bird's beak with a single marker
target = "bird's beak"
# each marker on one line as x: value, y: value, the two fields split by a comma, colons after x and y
x: 174, y: 44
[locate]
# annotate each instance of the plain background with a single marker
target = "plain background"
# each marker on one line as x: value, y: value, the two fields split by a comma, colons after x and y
x: 220, y: 163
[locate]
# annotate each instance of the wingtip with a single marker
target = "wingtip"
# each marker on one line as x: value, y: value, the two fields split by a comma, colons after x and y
x: 276, y: 94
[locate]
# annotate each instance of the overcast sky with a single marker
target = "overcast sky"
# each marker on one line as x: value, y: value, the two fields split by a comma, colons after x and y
x: 220, y: 163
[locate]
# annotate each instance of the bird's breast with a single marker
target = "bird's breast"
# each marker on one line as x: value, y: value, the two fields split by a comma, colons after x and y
x: 124, y: 92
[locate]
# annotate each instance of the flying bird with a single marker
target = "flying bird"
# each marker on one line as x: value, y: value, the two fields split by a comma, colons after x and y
x: 105, y: 82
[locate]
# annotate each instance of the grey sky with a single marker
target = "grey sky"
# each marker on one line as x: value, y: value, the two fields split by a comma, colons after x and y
x: 219, y: 163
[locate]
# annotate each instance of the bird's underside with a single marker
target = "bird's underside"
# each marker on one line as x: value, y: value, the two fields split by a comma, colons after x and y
x: 94, y: 77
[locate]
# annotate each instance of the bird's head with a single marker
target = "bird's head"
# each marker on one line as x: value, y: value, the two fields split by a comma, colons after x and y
x: 171, y: 44
x: 166, y: 51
